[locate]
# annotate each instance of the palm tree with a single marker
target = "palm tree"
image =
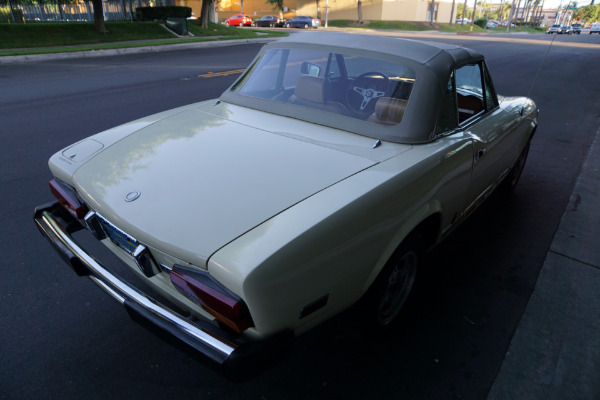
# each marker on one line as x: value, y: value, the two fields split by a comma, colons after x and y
x: 464, y: 12
x: 359, y: 6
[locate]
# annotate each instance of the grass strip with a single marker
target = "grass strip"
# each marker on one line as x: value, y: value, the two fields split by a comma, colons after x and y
x: 39, y: 38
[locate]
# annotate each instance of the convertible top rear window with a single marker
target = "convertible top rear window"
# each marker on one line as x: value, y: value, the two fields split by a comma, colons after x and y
x: 351, y: 85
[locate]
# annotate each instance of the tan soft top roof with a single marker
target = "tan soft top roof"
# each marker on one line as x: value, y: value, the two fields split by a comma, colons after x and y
x: 432, y: 62
x: 422, y: 52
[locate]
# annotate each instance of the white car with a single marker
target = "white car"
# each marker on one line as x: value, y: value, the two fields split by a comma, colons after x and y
x: 595, y: 28
x: 555, y: 29
x: 315, y: 183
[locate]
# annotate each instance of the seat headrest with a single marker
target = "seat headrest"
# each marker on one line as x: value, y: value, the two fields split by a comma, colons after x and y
x: 390, y: 110
x: 310, y: 88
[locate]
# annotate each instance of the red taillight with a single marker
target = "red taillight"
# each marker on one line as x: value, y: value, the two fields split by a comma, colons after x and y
x: 67, y: 197
x: 218, y: 301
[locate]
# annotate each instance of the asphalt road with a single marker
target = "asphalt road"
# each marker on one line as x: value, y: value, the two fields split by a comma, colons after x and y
x: 61, y: 337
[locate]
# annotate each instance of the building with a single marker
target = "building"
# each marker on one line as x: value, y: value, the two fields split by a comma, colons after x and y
x: 372, y: 10
x: 380, y: 10
x: 254, y: 8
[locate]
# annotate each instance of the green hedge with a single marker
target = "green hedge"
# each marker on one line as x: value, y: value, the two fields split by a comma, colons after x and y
x: 6, y: 17
x: 162, y: 13
x: 481, y: 22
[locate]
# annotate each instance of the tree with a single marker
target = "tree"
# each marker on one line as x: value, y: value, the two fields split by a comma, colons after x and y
x: 474, y: 11
x: 432, y: 12
x: 501, y: 11
x: 277, y: 5
x: 10, y: 6
x: 510, y: 16
x: 359, y: 7
x: 528, y: 7
x: 589, y: 13
x: 452, y: 12
x: 463, y: 13
x: 99, y: 25
x: 205, y: 11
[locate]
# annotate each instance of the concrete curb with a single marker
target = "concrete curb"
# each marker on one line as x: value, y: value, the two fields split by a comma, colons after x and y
x: 131, y: 50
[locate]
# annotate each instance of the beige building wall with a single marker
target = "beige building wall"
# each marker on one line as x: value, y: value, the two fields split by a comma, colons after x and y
x: 341, y: 9
x: 384, y: 10
x: 254, y: 8
x: 372, y: 10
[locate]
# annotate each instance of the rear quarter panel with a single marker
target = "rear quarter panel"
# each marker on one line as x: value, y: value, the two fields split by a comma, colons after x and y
x: 335, y: 243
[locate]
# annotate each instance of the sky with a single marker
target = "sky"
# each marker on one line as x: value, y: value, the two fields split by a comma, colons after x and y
x: 548, y: 4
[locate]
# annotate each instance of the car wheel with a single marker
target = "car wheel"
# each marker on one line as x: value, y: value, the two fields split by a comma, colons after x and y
x: 227, y: 24
x: 512, y: 179
x: 387, y: 296
x: 289, y: 26
x: 241, y: 24
x: 305, y: 26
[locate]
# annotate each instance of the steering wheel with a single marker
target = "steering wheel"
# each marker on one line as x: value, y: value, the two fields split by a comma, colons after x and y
x: 363, y: 92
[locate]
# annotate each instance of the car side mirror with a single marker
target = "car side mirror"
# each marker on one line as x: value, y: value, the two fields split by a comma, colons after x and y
x: 309, y: 68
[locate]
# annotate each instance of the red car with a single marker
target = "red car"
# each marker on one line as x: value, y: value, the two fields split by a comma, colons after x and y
x: 239, y: 20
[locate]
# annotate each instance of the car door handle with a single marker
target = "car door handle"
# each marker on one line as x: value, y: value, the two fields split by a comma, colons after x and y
x: 480, y: 153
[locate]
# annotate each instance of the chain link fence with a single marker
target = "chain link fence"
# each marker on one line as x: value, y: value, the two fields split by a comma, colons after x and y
x: 119, y: 10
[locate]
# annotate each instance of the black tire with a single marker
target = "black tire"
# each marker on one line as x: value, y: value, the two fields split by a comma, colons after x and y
x: 384, y: 301
x: 288, y: 25
x: 305, y: 26
x: 512, y: 179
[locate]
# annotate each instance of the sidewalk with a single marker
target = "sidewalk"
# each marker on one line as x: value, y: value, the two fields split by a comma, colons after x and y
x: 555, y: 352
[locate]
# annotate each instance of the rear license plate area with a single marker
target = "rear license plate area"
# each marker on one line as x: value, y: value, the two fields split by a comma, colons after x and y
x: 118, y: 237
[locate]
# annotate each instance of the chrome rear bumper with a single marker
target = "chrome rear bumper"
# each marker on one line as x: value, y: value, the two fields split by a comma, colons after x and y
x: 57, y: 226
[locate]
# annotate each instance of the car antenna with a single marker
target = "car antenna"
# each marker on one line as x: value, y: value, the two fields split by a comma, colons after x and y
x: 541, y: 65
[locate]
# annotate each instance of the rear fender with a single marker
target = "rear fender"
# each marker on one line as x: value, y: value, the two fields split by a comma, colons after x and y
x: 414, y: 222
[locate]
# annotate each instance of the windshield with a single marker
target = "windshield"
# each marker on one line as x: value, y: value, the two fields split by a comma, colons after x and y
x: 350, y: 85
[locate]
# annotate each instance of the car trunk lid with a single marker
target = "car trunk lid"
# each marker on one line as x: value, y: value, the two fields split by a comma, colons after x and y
x: 197, y: 186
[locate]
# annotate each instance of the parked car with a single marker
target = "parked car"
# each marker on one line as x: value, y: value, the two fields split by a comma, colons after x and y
x: 595, y: 28
x: 303, y: 22
x: 504, y: 24
x: 576, y: 29
x: 466, y: 21
x: 269, y: 21
x: 492, y: 24
x: 239, y: 20
x: 566, y: 29
x: 255, y: 234
x: 556, y: 28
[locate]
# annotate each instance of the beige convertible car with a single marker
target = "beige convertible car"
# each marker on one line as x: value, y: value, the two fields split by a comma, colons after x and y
x: 314, y: 183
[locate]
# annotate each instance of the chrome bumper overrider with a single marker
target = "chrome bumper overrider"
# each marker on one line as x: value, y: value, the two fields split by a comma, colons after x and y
x: 57, y: 225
